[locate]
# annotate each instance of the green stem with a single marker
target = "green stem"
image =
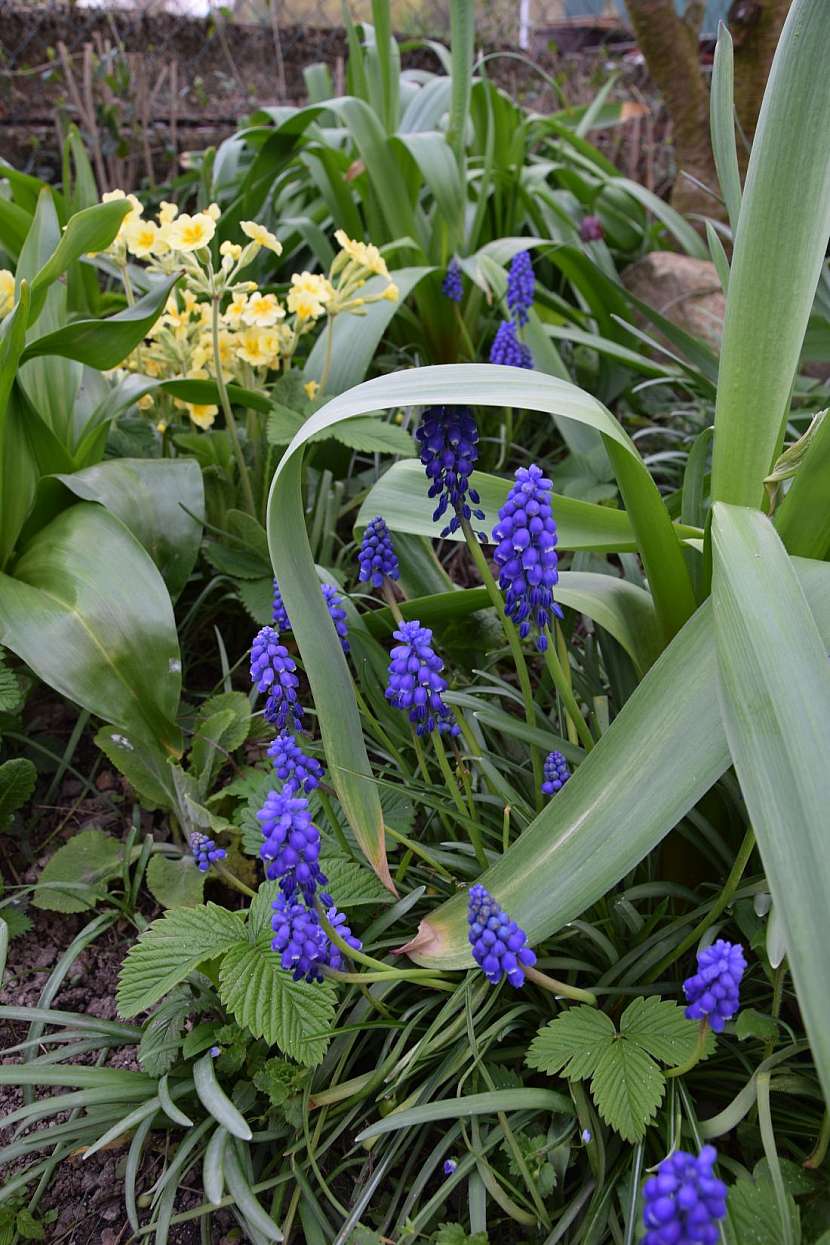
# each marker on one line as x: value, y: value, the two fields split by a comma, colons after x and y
x: 389, y: 598
x: 724, y: 898
x: 820, y: 1152
x: 324, y: 379
x: 331, y: 817
x: 560, y: 987
x: 515, y: 648
x: 416, y: 850
x: 242, y: 466
x: 230, y: 879
x: 696, y: 1055
x: 428, y: 979
x: 449, y: 778
x: 562, y: 684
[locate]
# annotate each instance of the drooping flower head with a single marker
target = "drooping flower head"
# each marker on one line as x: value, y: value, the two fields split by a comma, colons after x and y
x: 499, y: 945
x: 525, y: 540
x: 452, y: 285
x: 507, y: 350
x: 590, y: 229
x: 684, y: 1202
x: 376, y: 558
x: 447, y: 437
x: 279, y: 612
x: 337, y: 615
x: 301, y: 941
x: 296, y: 771
x: 205, y: 852
x: 292, y: 844
x: 521, y: 287
x: 556, y: 772
x: 416, y: 683
x: 273, y: 672
x: 713, y: 992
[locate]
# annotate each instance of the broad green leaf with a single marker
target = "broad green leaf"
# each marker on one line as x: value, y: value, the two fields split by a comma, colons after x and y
x: 463, y: 1107
x: 161, y: 501
x: 355, y: 338
x: 602, y: 823
x: 780, y: 244
x: 627, y: 1088
x: 775, y: 702
x: 572, y: 1044
x: 753, y: 1216
x: 371, y: 436
x: 103, y: 344
x: 82, y: 867
x: 89, y: 612
x: 400, y: 495
x: 803, y: 517
x: 264, y: 998
x: 142, y: 763
x: 17, y: 782
x: 170, y: 950
x: 722, y: 125
x: 175, y: 883
x: 660, y: 1027
x: 257, y: 595
x: 222, y: 726
x: 89, y: 230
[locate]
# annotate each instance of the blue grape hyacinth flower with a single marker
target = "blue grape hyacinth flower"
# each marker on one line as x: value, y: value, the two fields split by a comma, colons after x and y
x: 684, y: 1202
x: 507, y: 350
x: 447, y: 437
x: 525, y: 539
x: 713, y: 991
x: 499, y: 945
x: 292, y: 844
x: 298, y: 939
x: 333, y: 955
x: 278, y: 611
x: 205, y: 852
x: 452, y: 285
x: 416, y: 683
x: 521, y: 287
x: 273, y: 671
x: 590, y: 229
x: 556, y: 773
x: 376, y: 557
x: 337, y: 614
x: 296, y: 771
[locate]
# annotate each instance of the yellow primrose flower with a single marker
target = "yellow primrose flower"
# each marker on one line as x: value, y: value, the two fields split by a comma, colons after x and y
x: 311, y: 388
x: 161, y: 427
x: 145, y: 402
x: 6, y: 291
x: 308, y: 295
x: 263, y: 310
x: 167, y: 212
x: 259, y: 347
x: 214, y: 211
x: 235, y: 310
x: 233, y: 249
x: 391, y: 293
x: 262, y: 236
x: 141, y: 236
x: 111, y: 196
x: 202, y: 416
x: 366, y: 255
x: 190, y: 233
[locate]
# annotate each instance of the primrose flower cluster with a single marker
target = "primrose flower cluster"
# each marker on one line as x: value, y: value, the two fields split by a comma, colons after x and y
x: 220, y: 321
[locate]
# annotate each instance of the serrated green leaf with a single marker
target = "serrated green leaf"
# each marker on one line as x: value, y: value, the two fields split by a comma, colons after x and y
x: 76, y: 877
x: 278, y: 1080
x: 257, y: 595
x: 17, y: 782
x: 17, y: 922
x: 160, y: 1044
x: 175, y: 883
x: 283, y: 423
x: 627, y: 1088
x: 455, y: 1234
x: 222, y: 725
x: 573, y: 1043
x: 370, y: 436
x: 261, y: 910
x: 10, y: 693
x: 263, y: 997
x: 172, y: 948
x: 143, y: 765
x: 753, y: 1216
x: 240, y: 563
x: 660, y: 1028
x: 350, y: 883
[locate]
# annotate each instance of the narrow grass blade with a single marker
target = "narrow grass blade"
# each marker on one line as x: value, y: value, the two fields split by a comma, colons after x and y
x: 775, y: 699
x: 213, y: 1176
x: 245, y: 1199
x: 472, y: 1104
x: 722, y: 126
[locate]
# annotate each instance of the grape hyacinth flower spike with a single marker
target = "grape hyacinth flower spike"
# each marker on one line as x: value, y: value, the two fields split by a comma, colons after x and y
x: 713, y: 991
x: 590, y: 229
x: 279, y: 612
x: 292, y: 844
x: 416, y: 683
x: 556, y: 773
x: 447, y: 438
x: 499, y: 945
x: 296, y: 771
x: 205, y: 852
x: 507, y: 350
x: 302, y: 943
x: 273, y: 672
x: 376, y: 557
x: 525, y: 539
x: 684, y: 1202
x: 452, y: 286
x: 337, y: 615
x: 521, y: 287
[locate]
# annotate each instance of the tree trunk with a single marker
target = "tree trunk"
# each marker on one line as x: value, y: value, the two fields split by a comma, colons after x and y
x: 755, y: 26
x: 669, y: 44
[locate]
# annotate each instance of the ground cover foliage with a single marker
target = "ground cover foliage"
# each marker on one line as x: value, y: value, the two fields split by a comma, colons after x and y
x: 435, y: 641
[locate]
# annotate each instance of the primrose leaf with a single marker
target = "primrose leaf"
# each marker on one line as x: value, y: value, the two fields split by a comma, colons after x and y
x: 17, y: 782
x: 77, y: 875
x: 175, y: 883
x: 572, y: 1044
